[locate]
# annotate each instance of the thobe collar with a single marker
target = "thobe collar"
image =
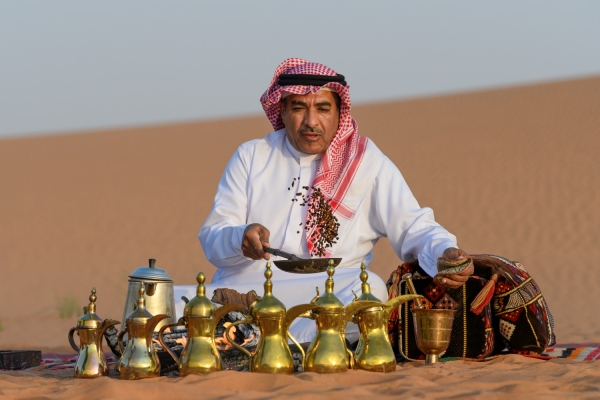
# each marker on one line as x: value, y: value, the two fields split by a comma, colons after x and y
x: 298, y: 155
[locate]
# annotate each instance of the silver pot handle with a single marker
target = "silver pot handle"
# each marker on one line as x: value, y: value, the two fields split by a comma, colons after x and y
x: 150, y: 289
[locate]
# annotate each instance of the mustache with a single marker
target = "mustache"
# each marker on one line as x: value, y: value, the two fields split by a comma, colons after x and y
x: 308, y: 129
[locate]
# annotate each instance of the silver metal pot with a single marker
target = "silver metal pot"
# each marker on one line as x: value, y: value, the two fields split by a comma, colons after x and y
x: 159, y: 293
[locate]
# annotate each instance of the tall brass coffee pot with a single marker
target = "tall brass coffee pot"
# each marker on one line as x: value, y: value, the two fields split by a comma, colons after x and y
x: 200, y: 355
x: 273, y: 355
x: 139, y: 359
x: 374, y: 351
x: 160, y: 298
x: 327, y: 352
x: 91, y: 362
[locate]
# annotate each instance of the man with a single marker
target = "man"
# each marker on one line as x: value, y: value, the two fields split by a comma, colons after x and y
x: 315, y: 146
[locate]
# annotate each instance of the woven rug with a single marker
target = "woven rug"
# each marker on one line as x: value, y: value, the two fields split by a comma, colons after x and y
x: 589, y: 352
x: 54, y: 361
x: 579, y: 352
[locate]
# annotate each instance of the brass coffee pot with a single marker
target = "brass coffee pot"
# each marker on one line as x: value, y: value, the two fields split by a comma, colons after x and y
x: 200, y: 355
x: 91, y: 362
x: 374, y: 351
x: 327, y: 352
x: 139, y: 359
x: 273, y: 355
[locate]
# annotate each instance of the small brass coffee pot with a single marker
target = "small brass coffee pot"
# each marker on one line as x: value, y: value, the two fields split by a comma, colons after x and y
x: 91, y: 362
x: 139, y: 359
x: 374, y: 351
x: 327, y: 352
x: 273, y: 355
x: 200, y: 355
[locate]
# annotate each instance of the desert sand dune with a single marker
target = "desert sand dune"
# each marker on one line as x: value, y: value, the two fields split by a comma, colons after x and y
x: 511, y: 171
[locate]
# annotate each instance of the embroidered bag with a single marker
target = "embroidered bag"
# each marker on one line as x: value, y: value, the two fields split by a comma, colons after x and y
x: 499, y: 306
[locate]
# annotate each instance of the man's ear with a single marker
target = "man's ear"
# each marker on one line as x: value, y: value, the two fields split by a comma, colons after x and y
x: 282, y: 108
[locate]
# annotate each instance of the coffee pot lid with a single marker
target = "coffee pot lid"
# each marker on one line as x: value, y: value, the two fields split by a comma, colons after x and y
x: 151, y: 273
x: 366, y: 288
x: 200, y: 305
x: 140, y: 315
x: 268, y: 306
x: 90, y: 320
x: 329, y: 301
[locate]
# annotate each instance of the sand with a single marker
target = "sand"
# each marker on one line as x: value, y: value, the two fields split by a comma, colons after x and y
x: 514, y: 376
x: 512, y: 172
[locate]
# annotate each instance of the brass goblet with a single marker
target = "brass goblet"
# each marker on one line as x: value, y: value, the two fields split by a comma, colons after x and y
x: 432, y: 331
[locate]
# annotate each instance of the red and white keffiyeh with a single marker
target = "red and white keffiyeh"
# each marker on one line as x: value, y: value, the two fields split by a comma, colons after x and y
x: 343, y: 156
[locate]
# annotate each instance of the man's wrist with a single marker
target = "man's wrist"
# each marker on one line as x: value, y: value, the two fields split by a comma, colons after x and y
x: 238, y: 234
x: 442, y: 248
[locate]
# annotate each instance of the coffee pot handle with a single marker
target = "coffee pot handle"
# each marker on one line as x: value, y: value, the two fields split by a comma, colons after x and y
x: 293, y: 339
x: 164, y: 346
x: 71, y: 341
x: 237, y: 346
x: 120, y: 341
x: 351, y: 356
x: 150, y: 289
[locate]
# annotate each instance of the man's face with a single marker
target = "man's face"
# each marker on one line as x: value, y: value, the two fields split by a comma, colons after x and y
x: 311, y: 120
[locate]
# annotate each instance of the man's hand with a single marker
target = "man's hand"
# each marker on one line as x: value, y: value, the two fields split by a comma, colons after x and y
x: 255, y: 237
x: 455, y: 280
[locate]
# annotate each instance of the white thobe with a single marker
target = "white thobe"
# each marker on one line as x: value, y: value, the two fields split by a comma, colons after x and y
x: 254, y: 189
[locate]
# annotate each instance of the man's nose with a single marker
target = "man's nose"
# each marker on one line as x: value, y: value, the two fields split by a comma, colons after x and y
x: 310, y: 118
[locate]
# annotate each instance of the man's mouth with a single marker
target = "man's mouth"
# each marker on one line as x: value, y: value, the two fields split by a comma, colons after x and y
x: 311, y: 136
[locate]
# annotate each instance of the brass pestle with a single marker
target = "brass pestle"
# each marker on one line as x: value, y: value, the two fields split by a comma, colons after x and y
x: 418, y: 302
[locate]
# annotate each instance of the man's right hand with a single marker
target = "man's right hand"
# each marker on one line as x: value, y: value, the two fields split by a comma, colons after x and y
x: 255, y: 238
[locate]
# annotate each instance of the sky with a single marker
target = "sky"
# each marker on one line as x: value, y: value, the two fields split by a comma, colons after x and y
x: 75, y: 66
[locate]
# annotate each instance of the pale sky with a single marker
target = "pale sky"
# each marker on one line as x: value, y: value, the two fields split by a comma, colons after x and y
x: 74, y: 65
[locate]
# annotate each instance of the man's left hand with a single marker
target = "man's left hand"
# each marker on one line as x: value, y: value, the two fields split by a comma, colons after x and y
x: 455, y: 280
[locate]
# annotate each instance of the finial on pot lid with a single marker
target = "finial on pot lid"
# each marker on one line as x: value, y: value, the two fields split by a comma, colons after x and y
x: 200, y: 305
x: 329, y: 301
x: 90, y: 319
x: 140, y: 315
x: 268, y: 305
x: 365, y: 287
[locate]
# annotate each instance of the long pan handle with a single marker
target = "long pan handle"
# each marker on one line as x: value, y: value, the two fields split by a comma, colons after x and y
x: 277, y: 252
